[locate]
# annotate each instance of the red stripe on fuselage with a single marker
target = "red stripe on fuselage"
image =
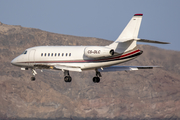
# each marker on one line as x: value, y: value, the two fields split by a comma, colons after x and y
x: 93, y: 60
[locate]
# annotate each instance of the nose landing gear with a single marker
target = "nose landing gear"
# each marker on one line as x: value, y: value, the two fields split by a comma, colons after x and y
x: 33, y: 78
x: 34, y: 73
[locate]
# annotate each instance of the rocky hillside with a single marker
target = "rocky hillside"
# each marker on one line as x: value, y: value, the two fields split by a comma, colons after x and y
x: 144, y: 94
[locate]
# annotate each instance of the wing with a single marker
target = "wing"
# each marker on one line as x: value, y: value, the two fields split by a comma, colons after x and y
x: 58, y: 67
x: 124, y: 68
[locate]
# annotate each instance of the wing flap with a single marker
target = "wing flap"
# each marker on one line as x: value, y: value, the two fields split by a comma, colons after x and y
x: 124, y: 68
x: 69, y: 68
x: 58, y: 67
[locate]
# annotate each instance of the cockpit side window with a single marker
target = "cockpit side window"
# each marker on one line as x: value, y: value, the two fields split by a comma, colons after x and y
x: 25, y: 52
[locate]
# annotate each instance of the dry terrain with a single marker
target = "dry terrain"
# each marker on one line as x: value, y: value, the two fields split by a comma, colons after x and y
x: 144, y: 94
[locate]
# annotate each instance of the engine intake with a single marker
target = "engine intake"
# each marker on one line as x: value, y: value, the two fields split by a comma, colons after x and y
x: 97, y: 51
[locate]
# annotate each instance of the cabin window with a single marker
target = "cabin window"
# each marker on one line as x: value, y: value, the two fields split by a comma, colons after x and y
x: 62, y: 54
x: 51, y: 54
x: 25, y: 52
x: 41, y: 54
x: 66, y: 54
x: 69, y: 54
x: 48, y: 54
x: 45, y: 54
x: 58, y: 54
x: 55, y: 54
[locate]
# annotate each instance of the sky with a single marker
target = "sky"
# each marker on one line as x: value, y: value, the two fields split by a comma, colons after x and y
x: 97, y: 18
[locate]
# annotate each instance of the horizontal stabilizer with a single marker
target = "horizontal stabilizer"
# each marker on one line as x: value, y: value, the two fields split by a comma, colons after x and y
x: 125, y: 68
x: 142, y: 40
x: 151, y: 41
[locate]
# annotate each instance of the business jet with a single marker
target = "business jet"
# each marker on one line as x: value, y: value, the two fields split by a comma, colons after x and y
x: 80, y: 58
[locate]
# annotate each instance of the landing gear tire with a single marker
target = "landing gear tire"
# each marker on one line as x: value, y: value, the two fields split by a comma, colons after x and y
x: 96, y: 79
x: 34, y: 73
x: 33, y: 78
x: 67, y: 79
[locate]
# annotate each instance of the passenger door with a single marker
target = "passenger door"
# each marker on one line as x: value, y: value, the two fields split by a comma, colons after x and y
x: 31, y: 57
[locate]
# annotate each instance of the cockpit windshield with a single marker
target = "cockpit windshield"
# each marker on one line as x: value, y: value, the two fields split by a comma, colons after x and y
x: 25, y: 52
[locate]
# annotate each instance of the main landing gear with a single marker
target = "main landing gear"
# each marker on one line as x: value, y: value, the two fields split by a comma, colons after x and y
x: 96, y: 79
x: 67, y: 77
x: 34, y: 73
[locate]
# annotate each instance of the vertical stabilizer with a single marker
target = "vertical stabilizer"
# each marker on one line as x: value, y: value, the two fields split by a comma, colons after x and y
x: 131, y: 30
x: 128, y: 35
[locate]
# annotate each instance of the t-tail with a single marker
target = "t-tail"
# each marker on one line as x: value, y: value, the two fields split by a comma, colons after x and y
x: 127, y: 40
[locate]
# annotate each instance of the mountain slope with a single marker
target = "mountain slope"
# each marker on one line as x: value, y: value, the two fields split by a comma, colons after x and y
x: 138, y: 94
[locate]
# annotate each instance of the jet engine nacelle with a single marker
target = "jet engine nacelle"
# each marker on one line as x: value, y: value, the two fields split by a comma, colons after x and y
x: 97, y: 51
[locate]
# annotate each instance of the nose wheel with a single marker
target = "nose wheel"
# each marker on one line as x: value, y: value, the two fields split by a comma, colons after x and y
x: 34, y: 73
x: 33, y: 78
x: 96, y: 79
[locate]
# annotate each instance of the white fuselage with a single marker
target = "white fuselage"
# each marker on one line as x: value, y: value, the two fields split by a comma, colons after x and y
x: 69, y: 56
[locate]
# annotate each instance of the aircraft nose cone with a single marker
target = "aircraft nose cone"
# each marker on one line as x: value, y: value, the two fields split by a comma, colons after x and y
x: 14, y: 61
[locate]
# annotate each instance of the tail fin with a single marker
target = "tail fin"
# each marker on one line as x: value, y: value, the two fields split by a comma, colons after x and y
x: 131, y: 30
x: 126, y: 41
x: 128, y: 38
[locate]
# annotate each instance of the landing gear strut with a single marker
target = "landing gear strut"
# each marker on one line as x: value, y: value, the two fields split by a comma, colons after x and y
x: 96, y: 79
x: 34, y: 73
x: 67, y: 77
